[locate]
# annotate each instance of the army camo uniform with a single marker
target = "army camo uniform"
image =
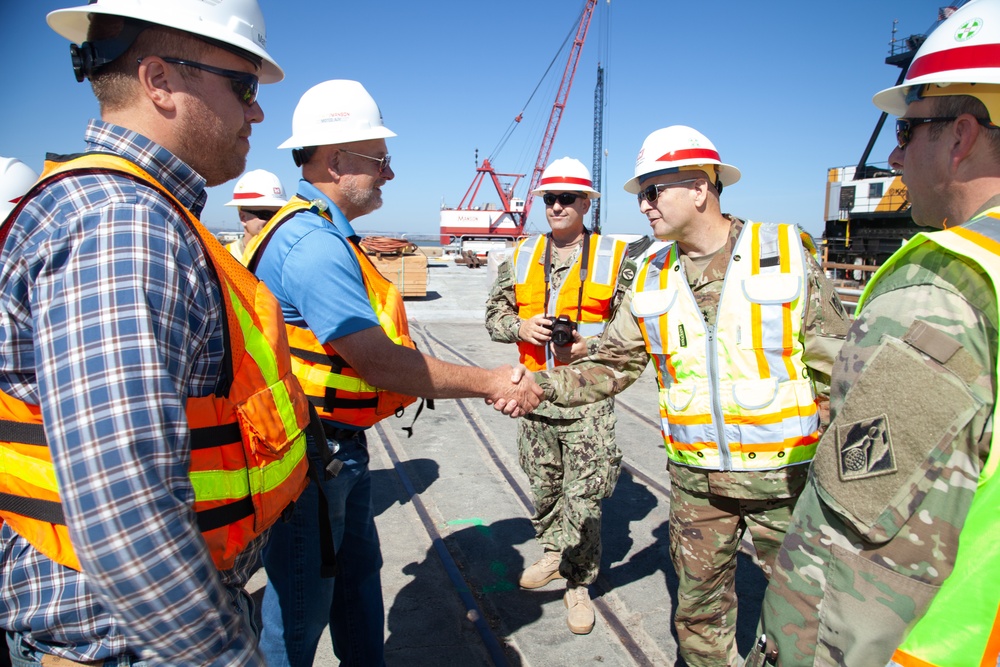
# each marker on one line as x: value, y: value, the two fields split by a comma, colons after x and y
x: 569, y: 454
x: 877, y: 528
x: 710, y: 509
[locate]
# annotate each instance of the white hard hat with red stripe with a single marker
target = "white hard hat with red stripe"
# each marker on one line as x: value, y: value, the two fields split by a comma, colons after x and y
x: 961, y: 56
x: 566, y: 175
x: 679, y: 148
x: 258, y: 188
x: 231, y: 24
x: 16, y: 178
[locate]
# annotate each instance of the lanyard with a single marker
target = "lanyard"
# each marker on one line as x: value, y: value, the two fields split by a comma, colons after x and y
x: 584, y: 262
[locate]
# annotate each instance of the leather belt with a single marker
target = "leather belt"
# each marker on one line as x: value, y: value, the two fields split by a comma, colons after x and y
x: 338, y: 433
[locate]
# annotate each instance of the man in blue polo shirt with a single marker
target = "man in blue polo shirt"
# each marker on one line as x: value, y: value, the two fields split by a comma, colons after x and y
x: 355, y: 364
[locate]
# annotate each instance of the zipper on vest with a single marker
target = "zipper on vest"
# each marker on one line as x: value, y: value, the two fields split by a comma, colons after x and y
x: 725, y: 456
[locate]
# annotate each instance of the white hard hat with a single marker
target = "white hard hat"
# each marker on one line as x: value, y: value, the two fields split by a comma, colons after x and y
x: 567, y: 174
x: 237, y: 23
x: 258, y: 188
x: 962, y: 49
x: 16, y: 178
x: 336, y: 112
x: 679, y: 148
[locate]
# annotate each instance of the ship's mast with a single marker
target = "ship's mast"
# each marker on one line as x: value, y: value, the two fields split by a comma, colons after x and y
x: 598, y: 148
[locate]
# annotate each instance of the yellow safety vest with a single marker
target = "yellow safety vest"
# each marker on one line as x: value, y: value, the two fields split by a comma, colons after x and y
x: 235, y: 248
x: 603, y: 261
x: 961, y: 627
x: 336, y: 390
x: 736, y: 395
x: 248, y: 458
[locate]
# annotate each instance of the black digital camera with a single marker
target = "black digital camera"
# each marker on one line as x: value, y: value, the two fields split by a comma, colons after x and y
x: 562, y: 331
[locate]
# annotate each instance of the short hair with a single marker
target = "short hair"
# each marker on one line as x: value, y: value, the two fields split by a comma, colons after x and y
x: 114, y: 84
x: 949, y: 106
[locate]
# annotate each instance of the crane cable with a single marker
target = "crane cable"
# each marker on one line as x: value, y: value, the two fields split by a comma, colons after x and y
x: 517, y: 119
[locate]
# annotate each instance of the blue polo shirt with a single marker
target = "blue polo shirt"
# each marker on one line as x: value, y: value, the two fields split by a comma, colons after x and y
x: 310, y: 267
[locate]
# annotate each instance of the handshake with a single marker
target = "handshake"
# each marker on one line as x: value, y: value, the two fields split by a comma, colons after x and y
x: 515, y: 391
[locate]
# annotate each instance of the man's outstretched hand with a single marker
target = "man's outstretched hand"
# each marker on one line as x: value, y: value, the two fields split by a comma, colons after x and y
x: 516, y: 392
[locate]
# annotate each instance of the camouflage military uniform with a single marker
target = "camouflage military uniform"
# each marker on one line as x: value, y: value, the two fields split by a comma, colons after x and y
x: 711, y: 509
x: 876, y: 531
x: 568, y: 454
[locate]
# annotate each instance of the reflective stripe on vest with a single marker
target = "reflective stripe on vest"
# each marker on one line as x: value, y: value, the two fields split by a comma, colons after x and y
x: 247, y: 448
x: 332, y: 386
x: 962, y: 624
x: 604, y: 261
x: 736, y: 395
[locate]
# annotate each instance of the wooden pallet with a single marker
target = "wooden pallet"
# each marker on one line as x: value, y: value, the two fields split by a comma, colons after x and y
x: 407, y: 272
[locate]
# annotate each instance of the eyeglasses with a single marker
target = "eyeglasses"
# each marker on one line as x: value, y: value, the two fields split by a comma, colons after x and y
x: 383, y: 162
x: 244, y: 83
x: 564, y: 198
x: 262, y: 213
x: 905, y: 126
x: 652, y: 192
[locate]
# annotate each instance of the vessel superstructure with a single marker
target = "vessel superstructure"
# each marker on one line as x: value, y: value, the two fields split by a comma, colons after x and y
x: 866, y: 212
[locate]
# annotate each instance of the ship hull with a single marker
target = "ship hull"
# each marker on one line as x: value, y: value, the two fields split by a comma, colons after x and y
x: 459, y: 224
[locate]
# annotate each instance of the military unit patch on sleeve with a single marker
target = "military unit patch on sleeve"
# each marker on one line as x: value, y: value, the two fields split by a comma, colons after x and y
x: 865, y: 449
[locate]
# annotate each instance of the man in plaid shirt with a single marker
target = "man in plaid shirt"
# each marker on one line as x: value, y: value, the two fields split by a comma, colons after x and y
x: 111, y: 317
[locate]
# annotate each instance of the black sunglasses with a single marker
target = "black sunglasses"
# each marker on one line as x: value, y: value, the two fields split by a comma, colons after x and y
x: 564, y: 198
x: 244, y: 84
x: 383, y: 162
x: 261, y: 213
x: 905, y: 126
x: 652, y: 192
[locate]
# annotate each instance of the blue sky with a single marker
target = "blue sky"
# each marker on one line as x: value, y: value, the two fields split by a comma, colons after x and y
x: 783, y: 89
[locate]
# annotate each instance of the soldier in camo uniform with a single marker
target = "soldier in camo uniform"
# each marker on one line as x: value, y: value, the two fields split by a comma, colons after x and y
x: 568, y: 454
x: 741, y: 362
x: 892, y: 557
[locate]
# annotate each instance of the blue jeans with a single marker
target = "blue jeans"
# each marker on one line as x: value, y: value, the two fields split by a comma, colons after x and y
x: 298, y: 603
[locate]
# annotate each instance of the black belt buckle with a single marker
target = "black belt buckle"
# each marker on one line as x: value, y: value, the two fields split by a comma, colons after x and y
x: 346, y: 434
x: 337, y: 433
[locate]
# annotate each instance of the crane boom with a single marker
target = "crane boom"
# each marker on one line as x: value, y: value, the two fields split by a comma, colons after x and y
x: 468, y: 222
x: 557, y: 107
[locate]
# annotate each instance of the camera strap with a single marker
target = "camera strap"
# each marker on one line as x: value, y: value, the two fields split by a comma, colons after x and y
x: 584, y: 268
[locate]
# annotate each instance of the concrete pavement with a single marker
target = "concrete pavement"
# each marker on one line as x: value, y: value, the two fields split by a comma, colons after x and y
x: 453, y: 515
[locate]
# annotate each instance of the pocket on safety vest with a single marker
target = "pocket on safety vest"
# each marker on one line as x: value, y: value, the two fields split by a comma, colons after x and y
x: 755, y: 394
x: 273, y: 418
x: 653, y: 303
x: 679, y: 396
x: 771, y: 289
x: 760, y: 319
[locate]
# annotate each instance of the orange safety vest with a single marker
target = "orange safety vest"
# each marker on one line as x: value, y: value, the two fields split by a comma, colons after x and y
x: 248, y: 460
x: 531, y: 290
x: 336, y: 390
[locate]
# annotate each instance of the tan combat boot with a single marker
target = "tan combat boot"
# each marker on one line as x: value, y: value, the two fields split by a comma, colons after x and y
x: 543, y: 571
x: 580, y: 610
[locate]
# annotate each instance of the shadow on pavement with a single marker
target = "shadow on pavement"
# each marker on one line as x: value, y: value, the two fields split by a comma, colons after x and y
x: 427, y: 618
x: 386, y: 490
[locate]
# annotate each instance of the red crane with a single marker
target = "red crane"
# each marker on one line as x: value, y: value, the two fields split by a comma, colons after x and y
x: 559, y: 105
x: 508, y: 223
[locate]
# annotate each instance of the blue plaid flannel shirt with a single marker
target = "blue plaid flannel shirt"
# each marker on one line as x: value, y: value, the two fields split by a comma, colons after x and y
x: 110, y: 317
